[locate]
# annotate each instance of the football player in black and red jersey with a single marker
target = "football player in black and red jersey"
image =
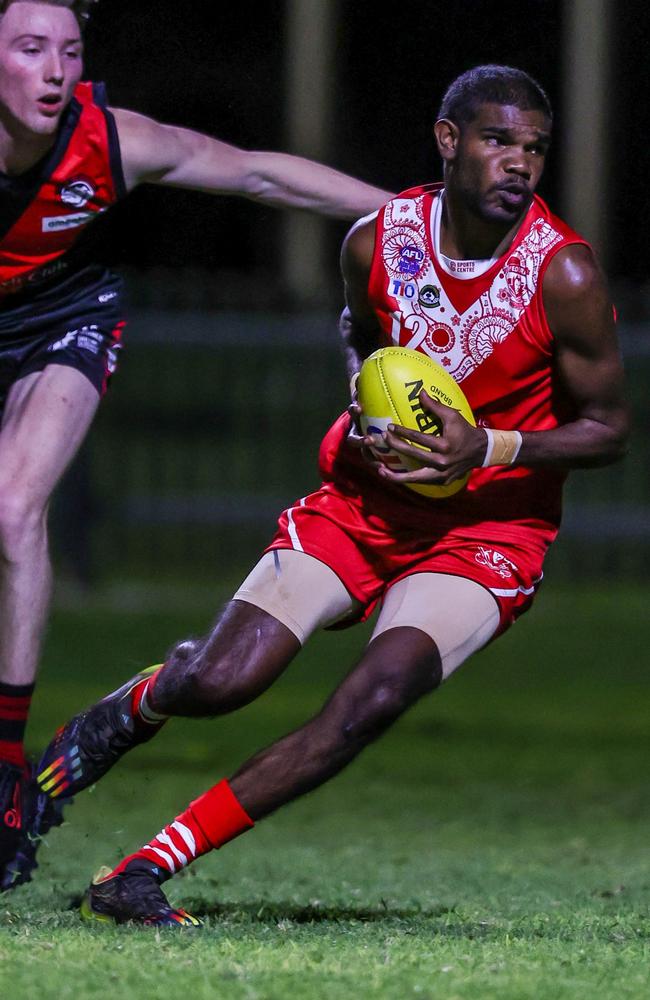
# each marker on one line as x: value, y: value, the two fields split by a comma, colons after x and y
x: 65, y: 158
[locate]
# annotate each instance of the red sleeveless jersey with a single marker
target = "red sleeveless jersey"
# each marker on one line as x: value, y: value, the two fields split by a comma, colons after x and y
x: 491, y: 334
x: 44, y: 212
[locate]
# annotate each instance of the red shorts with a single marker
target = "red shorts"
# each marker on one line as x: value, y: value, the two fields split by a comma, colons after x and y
x: 369, y: 554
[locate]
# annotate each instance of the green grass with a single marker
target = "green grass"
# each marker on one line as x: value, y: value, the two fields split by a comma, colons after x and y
x: 493, y: 845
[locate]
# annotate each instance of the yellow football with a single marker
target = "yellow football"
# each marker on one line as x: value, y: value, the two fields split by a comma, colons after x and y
x: 388, y: 391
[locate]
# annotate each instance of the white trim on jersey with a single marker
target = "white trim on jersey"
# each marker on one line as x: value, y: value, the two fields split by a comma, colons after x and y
x: 478, y: 267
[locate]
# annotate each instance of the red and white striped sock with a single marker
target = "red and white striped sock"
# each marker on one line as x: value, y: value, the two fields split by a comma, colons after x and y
x: 146, y: 717
x: 208, y: 823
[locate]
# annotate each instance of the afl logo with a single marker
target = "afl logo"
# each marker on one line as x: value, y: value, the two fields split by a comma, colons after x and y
x: 404, y: 252
x: 77, y: 193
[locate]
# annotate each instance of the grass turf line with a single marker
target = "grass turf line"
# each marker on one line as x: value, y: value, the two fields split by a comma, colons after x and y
x: 493, y: 844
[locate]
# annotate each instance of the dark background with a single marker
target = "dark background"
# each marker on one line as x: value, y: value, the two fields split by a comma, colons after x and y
x: 225, y: 74
x: 183, y: 473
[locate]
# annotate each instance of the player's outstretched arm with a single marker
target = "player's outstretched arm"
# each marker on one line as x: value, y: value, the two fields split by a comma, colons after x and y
x: 165, y: 154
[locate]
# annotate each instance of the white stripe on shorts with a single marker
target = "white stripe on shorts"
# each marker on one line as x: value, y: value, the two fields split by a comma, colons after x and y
x: 293, y: 534
x: 516, y: 590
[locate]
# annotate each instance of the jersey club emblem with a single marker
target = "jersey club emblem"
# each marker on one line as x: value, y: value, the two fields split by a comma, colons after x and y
x: 77, y: 193
x: 496, y: 561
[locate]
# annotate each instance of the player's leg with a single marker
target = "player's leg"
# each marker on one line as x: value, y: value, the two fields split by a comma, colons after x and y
x: 428, y: 625
x: 283, y: 600
x: 401, y: 664
x: 245, y: 651
x: 45, y: 419
x: 367, y: 702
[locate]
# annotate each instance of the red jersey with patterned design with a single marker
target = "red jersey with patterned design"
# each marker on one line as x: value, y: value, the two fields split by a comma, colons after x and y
x: 44, y: 212
x: 485, y: 323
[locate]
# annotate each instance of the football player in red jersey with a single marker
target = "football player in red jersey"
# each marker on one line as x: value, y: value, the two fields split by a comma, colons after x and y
x: 65, y: 157
x: 479, y: 274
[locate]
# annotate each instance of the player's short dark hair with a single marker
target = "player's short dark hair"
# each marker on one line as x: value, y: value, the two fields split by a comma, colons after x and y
x: 80, y: 8
x: 492, y: 85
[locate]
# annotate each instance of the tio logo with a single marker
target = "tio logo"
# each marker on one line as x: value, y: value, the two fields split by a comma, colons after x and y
x: 403, y: 289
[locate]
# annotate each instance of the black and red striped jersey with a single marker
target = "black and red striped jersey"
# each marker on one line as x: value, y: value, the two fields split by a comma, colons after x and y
x: 45, y: 212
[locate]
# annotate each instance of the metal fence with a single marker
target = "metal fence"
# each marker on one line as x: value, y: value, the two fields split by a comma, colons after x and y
x: 212, y: 426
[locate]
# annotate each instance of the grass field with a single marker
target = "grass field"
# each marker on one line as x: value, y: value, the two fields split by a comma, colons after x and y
x: 493, y: 845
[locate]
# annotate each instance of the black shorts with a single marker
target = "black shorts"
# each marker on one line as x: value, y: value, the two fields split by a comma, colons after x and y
x: 82, y: 331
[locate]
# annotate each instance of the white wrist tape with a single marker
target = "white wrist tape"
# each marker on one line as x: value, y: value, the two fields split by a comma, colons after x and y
x: 502, y: 447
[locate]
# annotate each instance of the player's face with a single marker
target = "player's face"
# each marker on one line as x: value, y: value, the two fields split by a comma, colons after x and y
x: 497, y: 161
x: 40, y: 65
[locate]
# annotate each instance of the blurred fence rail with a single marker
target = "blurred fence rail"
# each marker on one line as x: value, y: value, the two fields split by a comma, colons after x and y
x: 212, y: 426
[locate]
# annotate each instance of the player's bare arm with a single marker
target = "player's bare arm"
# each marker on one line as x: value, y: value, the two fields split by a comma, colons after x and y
x: 588, y: 364
x: 358, y: 324
x: 165, y: 154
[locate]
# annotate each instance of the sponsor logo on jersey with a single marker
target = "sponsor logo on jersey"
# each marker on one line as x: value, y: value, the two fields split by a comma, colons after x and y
x: 404, y: 252
x: 496, y: 561
x: 429, y: 297
x: 402, y: 289
x: 461, y: 266
x: 410, y: 261
x: 77, y: 193
x: 55, y: 223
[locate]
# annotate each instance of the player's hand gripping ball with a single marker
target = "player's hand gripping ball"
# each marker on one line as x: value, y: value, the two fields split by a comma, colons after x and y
x: 388, y: 392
